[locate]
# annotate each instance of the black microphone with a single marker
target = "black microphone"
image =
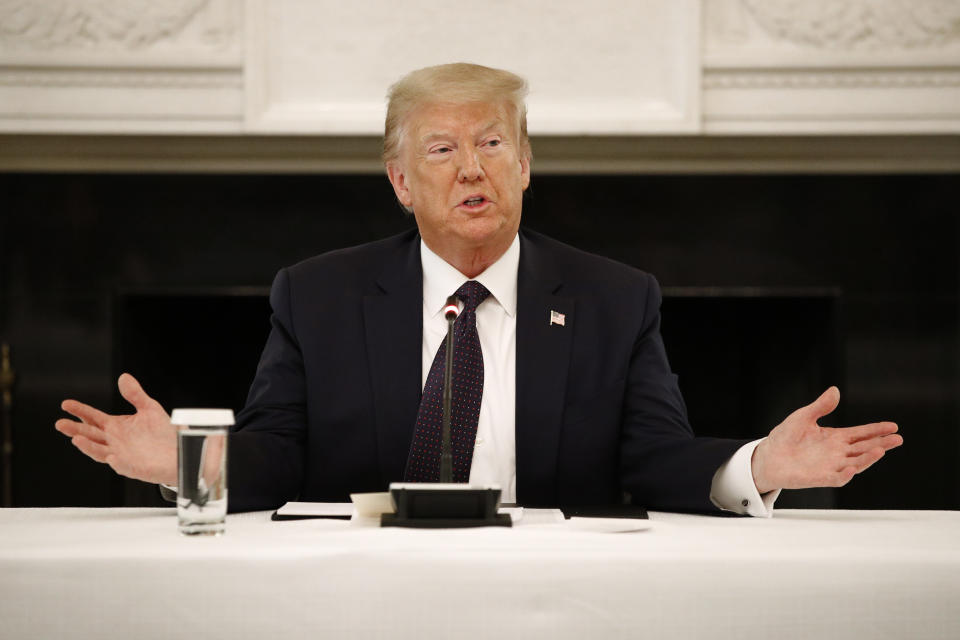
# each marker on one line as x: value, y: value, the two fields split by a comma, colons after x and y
x: 446, y: 503
x: 451, y: 310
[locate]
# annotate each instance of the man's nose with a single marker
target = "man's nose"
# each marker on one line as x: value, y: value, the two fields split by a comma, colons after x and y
x: 470, y: 167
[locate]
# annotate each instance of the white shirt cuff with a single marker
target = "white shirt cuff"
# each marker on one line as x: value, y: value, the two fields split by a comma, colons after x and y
x: 733, y: 488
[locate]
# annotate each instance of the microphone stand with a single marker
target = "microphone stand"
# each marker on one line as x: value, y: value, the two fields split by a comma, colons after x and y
x: 451, y: 313
x: 446, y: 504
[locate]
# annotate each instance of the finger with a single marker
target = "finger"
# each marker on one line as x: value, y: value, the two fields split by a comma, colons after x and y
x: 95, y: 450
x: 823, y: 405
x: 84, y: 411
x: 885, y: 442
x: 133, y: 393
x: 891, y: 442
x: 67, y: 427
x: 868, y: 431
x: 70, y: 428
x: 865, y: 460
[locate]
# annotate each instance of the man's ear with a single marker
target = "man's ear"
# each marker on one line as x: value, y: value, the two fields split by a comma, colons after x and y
x: 525, y: 170
x: 399, y: 181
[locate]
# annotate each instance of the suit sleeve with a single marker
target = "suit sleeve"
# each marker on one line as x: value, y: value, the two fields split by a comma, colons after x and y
x: 266, y: 449
x: 662, y: 465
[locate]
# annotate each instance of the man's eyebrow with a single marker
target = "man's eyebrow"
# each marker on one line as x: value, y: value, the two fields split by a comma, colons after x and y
x: 438, y: 135
x: 435, y: 136
x: 493, y: 124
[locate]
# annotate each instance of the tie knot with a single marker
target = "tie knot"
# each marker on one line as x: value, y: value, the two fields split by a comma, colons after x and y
x: 472, y: 293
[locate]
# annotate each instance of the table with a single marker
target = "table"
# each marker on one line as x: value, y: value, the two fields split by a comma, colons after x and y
x: 127, y: 573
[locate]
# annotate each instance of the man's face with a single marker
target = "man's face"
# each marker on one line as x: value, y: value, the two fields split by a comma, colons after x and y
x: 462, y: 171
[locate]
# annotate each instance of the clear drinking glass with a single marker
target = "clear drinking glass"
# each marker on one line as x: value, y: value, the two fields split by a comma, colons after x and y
x: 202, y: 469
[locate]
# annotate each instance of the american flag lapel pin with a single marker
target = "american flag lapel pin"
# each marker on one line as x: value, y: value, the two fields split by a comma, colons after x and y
x: 557, y: 318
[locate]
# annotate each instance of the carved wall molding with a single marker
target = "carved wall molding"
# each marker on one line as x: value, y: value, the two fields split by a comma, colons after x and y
x: 605, y: 67
x: 112, y: 78
x: 112, y: 66
x: 776, y: 79
x: 831, y: 67
x: 113, y: 25
x: 121, y: 79
x: 859, y: 24
x: 613, y: 68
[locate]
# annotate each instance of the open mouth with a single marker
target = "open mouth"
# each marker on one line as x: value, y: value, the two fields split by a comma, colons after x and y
x: 474, y: 201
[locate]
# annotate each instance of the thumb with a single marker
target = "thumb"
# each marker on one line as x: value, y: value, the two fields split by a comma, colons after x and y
x: 133, y: 393
x: 823, y: 405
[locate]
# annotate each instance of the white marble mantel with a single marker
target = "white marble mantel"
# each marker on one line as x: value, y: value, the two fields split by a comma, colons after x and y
x: 229, y: 71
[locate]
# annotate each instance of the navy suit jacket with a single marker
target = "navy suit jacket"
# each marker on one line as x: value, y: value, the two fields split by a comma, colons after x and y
x: 598, y: 412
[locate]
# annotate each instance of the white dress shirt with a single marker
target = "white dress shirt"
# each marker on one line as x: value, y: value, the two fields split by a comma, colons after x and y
x: 494, y: 456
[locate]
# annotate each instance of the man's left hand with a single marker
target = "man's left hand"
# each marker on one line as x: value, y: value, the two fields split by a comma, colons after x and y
x: 799, y: 453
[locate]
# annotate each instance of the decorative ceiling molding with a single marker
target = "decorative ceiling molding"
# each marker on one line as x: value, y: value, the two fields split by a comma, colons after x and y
x: 859, y: 24
x: 777, y: 79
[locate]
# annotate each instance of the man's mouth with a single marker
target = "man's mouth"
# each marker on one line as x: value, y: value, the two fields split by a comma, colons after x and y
x: 474, y: 201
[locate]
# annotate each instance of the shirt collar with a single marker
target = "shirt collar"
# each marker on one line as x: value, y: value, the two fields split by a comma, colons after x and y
x: 440, y: 279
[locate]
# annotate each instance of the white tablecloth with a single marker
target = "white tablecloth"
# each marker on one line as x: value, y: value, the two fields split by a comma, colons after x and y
x: 127, y: 573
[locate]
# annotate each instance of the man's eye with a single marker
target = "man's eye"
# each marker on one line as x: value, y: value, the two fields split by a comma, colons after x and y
x: 493, y: 143
x: 440, y: 150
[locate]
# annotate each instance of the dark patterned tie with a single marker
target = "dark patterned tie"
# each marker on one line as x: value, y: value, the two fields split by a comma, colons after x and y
x: 423, y: 465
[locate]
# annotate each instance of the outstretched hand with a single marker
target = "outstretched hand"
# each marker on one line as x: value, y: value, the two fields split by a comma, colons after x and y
x: 800, y: 454
x: 142, y: 446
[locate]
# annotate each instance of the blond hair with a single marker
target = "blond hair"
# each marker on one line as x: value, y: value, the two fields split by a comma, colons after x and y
x: 459, y: 82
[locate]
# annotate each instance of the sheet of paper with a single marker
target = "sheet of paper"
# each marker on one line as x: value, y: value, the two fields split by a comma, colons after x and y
x: 515, y: 513
x: 317, y: 509
x: 372, y: 505
x: 528, y: 516
x: 609, y: 525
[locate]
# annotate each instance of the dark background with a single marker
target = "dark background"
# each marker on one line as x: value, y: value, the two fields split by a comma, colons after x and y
x: 776, y: 286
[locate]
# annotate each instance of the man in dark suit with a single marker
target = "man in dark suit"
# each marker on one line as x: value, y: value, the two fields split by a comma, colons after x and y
x: 575, y: 401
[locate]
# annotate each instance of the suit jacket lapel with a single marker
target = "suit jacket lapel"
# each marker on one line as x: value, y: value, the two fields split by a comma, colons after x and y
x: 543, y: 360
x: 393, y: 320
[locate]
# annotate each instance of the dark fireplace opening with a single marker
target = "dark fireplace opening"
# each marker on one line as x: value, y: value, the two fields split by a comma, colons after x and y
x: 776, y: 286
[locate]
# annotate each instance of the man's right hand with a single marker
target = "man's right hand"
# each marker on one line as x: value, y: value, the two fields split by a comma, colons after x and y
x: 142, y: 446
